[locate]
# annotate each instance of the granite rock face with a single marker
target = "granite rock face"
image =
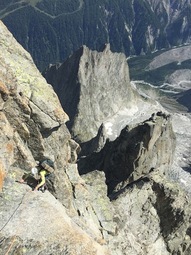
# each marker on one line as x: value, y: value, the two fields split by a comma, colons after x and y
x: 158, y: 222
x: 135, y: 153
x: 32, y: 125
x: 92, y: 87
x: 37, y: 223
x: 146, y: 213
x: 30, y: 111
x: 139, y: 150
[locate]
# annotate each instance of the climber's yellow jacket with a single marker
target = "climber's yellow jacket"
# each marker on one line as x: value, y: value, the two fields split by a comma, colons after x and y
x: 42, y: 174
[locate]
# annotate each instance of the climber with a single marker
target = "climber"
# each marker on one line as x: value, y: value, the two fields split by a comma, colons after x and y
x: 42, y: 185
x: 46, y: 168
x: 40, y: 173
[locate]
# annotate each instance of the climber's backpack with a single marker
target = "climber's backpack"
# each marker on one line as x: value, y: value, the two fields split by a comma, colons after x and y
x: 48, y: 165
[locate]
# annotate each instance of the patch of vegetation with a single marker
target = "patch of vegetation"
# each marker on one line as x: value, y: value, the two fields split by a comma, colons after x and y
x: 176, y: 31
x: 144, y: 18
x: 5, y: 3
x: 54, y: 29
x: 58, y: 7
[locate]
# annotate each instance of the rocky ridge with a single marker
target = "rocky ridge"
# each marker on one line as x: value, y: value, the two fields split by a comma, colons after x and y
x: 146, y: 213
x: 94, y: 88
x: 84, y: 91
x: 136, y: 152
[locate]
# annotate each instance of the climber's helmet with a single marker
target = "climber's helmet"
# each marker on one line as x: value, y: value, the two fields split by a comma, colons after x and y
x: 34, y: 171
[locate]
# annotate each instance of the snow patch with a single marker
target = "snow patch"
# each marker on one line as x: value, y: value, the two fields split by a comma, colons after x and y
x: 108, y: 127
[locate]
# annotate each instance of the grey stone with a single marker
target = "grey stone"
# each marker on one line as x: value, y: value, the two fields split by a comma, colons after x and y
x: 96, y: 89
x: 147, y: 212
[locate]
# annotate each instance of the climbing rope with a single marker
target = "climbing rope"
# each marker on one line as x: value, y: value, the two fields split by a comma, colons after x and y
x: 14, y: 211
x: 14, y: 237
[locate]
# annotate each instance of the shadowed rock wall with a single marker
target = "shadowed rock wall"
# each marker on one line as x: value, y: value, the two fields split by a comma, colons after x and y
x: 135, y: 153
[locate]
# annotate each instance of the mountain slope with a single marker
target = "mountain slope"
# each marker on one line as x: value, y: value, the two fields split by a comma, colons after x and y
x: 147, y: 212
x: 52, y: 30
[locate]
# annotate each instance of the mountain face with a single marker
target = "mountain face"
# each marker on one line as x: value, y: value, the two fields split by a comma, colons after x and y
x: 32, y: 125
x: 92, y: 87
x: 143, y: 146
x: 148, y: 208
x: 52, y: 30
